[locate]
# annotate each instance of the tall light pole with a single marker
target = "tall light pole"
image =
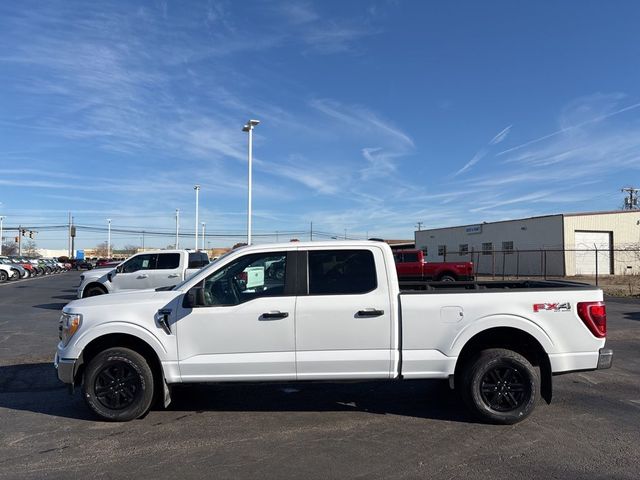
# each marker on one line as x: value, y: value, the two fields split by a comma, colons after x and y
x: 203, y: 237
x: 109, y: 239
x: 251, y: 124
x: 1, y: 238
x: 197, y: 189
x: 177, y: 228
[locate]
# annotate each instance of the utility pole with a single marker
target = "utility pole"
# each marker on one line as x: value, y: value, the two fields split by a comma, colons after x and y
x: 1, y: 239
x: 631, y: 202
x: 197, y: 189
x: 19, y: 240
x: 177, y: 228
x: 109, y: 239
x: 204, y: 229
x: 73, y: 237
x: 69, y: 242
x: 419, y: 225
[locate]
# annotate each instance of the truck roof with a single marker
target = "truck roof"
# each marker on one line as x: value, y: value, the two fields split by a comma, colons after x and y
x: 322, y: 244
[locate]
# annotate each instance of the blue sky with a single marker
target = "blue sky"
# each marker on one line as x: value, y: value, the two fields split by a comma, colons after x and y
x: 375, y: 114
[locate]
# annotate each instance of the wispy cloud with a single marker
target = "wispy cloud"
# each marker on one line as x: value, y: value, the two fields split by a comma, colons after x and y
x: 480, y: 154
x: 500, y: 136
x: 571, y: 128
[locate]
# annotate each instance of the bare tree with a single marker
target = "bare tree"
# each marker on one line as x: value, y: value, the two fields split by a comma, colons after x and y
x: 30, y: 249
x: 129, y: 249
x: 10, y: 248
x: 102, y: 250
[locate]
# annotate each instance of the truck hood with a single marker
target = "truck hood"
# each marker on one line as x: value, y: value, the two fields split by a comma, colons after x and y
x: 122, y: 298
x: 96, y: 273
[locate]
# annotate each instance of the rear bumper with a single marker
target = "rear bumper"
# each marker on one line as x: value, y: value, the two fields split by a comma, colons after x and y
x: 605, y: 358
x: 582, y: 361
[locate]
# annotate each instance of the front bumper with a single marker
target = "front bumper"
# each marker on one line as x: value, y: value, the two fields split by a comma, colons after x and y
x: 66, y: 368
x: 605, y: 358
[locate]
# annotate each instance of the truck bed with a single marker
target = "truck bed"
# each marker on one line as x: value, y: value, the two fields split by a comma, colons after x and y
x: 409, y: 287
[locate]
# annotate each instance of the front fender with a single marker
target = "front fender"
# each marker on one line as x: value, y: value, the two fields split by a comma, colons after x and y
x: 162, y: 350
x: 496, y: 321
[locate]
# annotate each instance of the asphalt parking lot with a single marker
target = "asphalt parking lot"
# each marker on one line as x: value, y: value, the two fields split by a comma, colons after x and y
x: 362, y: 430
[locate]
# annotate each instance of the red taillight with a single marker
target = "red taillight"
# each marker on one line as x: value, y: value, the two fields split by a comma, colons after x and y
x: 594, y: 316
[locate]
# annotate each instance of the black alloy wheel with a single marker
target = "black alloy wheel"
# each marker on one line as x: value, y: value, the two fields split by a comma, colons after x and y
x: 500, y: 386
x: 504, y: 388
x: 117, y: 386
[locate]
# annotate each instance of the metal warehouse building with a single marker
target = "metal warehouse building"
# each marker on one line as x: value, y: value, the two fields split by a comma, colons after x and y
x: 554, y: 245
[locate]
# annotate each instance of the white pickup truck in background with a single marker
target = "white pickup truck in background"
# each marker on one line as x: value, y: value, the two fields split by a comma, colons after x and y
x: 151, y: 269
x: 330, y: 311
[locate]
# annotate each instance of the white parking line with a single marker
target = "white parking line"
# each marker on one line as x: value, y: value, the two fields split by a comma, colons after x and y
x: 15, y: 282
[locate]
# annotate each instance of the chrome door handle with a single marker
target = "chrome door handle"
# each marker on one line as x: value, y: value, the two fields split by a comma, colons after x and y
x: 369, y: 312
x: 274, y: 315
x: 144, y: 275
x: 174, y: 275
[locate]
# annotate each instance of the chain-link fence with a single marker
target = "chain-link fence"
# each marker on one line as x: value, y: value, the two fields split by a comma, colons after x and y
x: 550, y: 262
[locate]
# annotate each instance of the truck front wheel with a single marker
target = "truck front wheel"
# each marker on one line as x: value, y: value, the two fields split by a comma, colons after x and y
x: 500, y: 386
x: 118, y: 385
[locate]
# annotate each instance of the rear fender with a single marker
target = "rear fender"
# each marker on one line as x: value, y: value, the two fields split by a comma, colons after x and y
x: 495, y: 321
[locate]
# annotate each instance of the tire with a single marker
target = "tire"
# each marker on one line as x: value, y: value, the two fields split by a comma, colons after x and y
x: 447, y: 278
x: 118, y: 385
x: 500, y: 386
x: 15, y: 274
x: 93, y: 292
x: 27, y: 274
x: 4, y: 276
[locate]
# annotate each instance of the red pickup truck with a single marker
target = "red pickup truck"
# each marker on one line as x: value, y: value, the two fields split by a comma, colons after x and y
x: 411, y: 265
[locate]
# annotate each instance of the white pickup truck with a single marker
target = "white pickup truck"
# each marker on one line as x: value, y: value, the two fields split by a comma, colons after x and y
x: 337, y: 313
x: 151, y: 269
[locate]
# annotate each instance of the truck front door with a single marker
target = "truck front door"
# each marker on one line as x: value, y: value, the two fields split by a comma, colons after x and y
x: 243, y: 327
x: 344, y: 322
x: 134, y: 274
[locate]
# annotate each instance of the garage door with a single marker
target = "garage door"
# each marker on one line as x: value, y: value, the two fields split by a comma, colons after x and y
x: 586, y: 244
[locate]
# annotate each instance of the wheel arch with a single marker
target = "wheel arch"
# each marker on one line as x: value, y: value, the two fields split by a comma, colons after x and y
x: 123, y: 340
x: 449, y: 273
x: 512, y: 338
x: 94, y: 284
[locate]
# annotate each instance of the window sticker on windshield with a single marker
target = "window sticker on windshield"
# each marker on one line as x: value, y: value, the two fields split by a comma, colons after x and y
x: 145, y: 263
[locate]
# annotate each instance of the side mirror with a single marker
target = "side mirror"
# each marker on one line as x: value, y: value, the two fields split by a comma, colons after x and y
x: 194, y: 298
x: 119, y: 269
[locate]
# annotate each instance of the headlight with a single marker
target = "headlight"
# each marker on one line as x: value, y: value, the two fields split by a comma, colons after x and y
x: 69, y: 324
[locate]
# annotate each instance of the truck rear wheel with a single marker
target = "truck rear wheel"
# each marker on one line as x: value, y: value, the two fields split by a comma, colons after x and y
x: 447, y: 277
x: 93, y: 291
x: 500, y: 386
x: 118, y: 385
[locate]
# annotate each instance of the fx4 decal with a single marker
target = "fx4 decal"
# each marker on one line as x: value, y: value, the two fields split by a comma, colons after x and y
x: 552, y: 307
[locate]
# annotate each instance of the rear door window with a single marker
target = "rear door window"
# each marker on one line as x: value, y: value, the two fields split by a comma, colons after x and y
x: 341, y: 272
x: 411, y: 257
x: 168, y: 261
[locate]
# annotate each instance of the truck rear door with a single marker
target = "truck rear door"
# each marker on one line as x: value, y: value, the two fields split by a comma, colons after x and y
x: 168, y: 270
x: 343, y: 315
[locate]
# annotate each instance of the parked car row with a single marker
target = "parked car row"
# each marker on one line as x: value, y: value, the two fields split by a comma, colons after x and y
x: 15, y: 268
